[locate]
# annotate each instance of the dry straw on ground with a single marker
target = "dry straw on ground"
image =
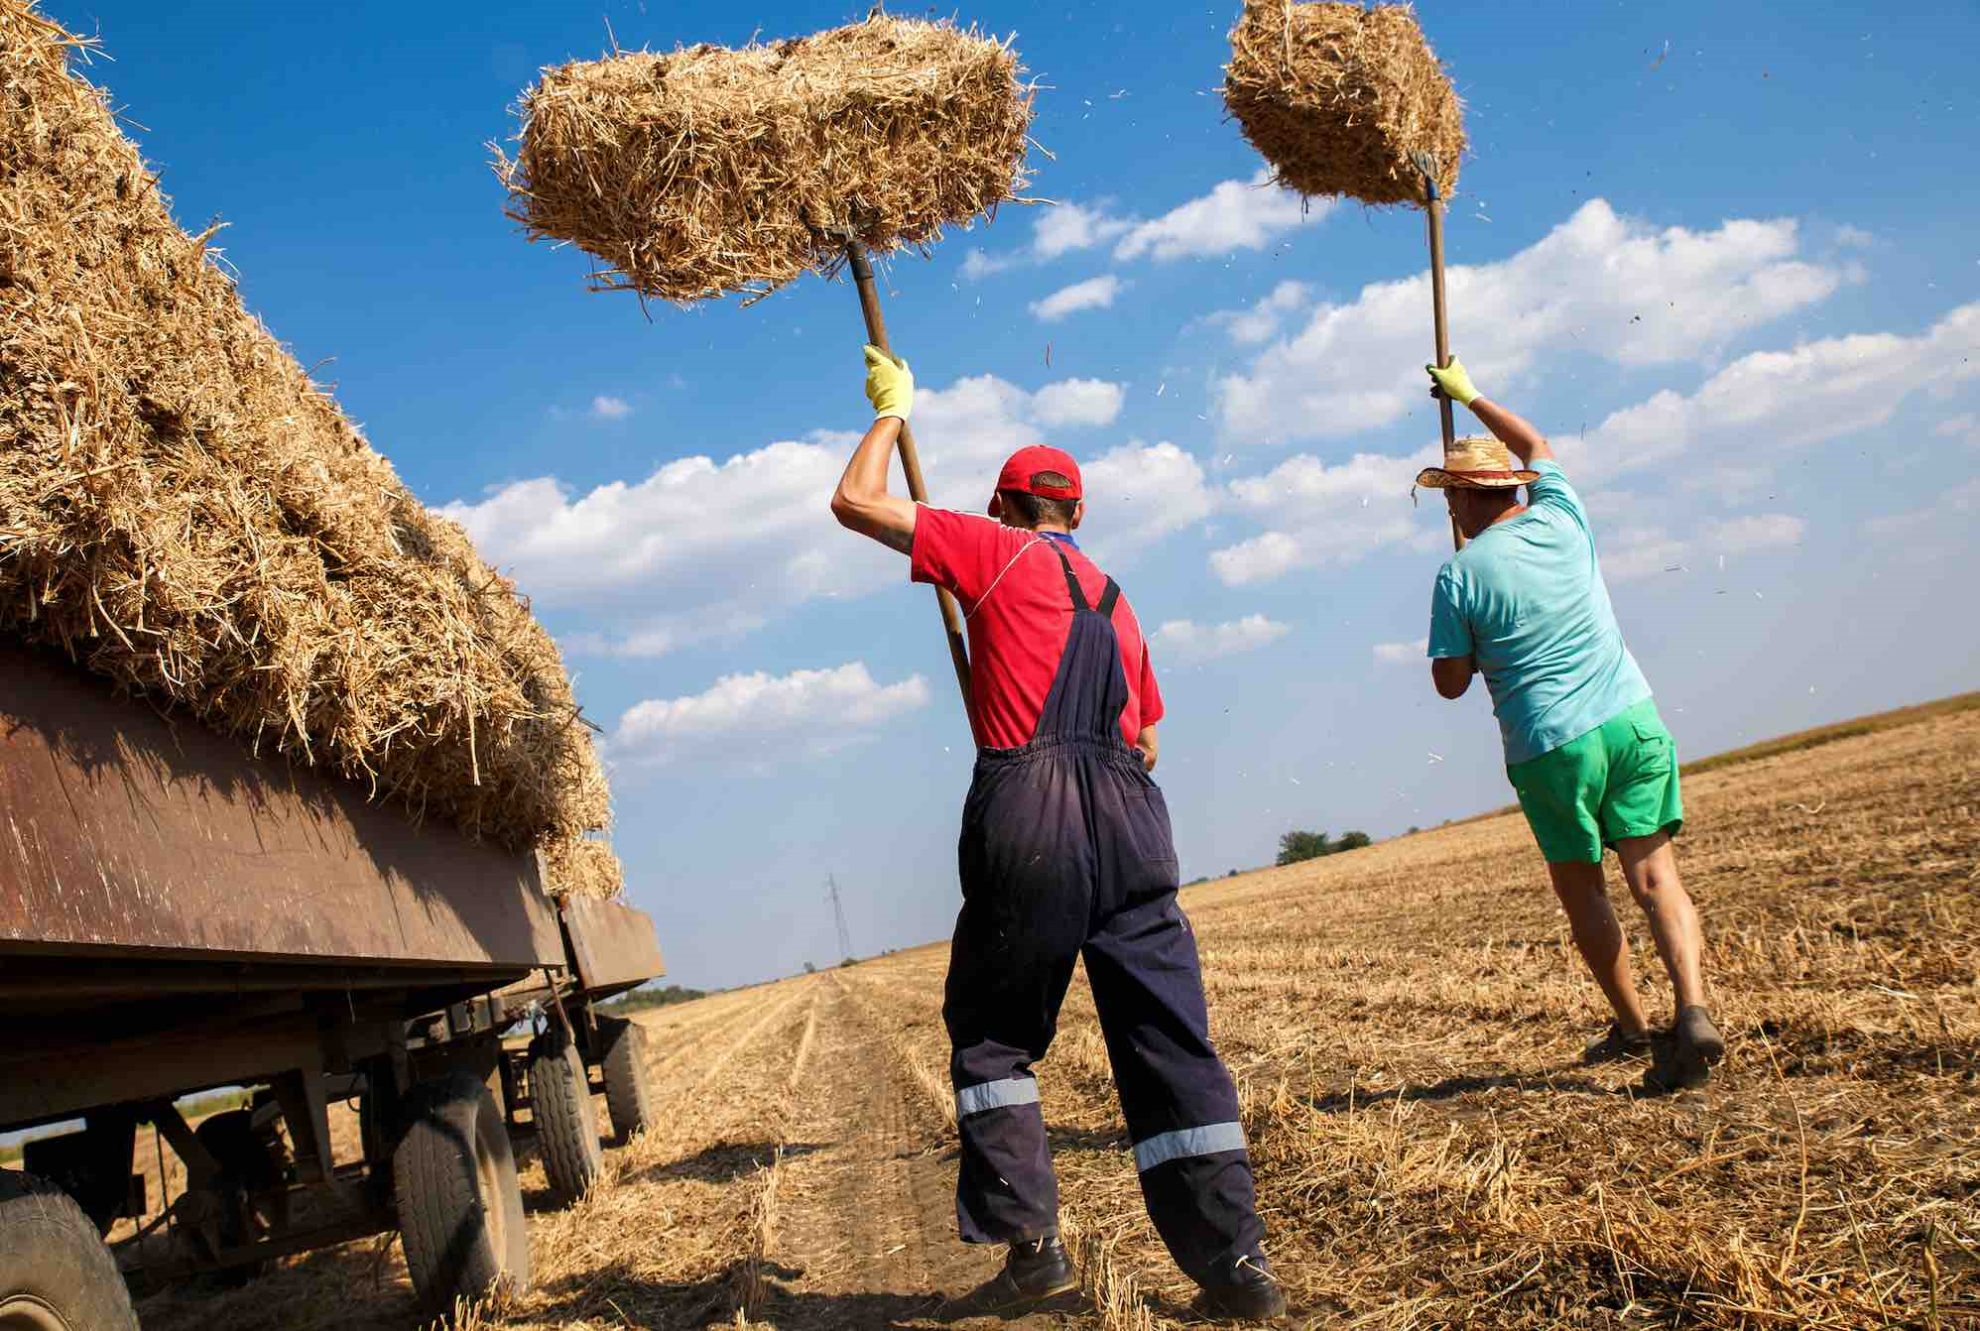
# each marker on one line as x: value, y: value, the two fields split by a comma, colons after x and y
x: 1338, y: 98
x: 707, y: 171
x: 183, y: 511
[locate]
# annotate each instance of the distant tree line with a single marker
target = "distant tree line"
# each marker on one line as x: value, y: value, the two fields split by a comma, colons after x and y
x: 649, y: 997
x: 1297, y: 846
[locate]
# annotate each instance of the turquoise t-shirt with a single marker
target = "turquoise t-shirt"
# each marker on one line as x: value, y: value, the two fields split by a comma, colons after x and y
x: 1526, y: 599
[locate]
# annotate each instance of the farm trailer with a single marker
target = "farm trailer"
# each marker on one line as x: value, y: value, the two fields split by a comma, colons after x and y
x: 178, y: 916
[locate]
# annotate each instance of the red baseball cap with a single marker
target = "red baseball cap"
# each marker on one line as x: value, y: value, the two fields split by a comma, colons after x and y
x: 1028, y: 462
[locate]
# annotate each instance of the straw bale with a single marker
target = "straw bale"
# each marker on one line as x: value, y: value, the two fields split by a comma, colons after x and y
x: 183, y: 511
x: 582, y: 868
x: 1338, y: 97
x: 707, y: 170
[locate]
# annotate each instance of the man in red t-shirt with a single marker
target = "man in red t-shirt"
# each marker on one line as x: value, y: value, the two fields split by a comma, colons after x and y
x: 1065, y: 852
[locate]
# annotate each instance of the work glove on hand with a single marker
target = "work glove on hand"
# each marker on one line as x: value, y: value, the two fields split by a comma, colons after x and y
x: 1452, y: 382
x: 889, y: 384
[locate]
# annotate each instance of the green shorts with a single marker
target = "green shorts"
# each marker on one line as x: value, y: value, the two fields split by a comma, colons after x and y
x: 1618, y: 780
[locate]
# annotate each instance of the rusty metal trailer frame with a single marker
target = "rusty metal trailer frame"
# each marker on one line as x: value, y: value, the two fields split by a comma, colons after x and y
x: 177, y: 915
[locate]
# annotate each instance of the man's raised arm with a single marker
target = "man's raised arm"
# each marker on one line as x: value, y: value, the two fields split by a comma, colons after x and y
x: 861, y: 503
x: 1525, y: 442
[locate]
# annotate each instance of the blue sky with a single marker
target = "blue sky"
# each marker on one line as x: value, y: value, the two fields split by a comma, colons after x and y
x: 1723, y: 254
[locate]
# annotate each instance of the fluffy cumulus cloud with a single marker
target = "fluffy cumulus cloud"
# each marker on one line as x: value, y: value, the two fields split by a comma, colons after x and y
x: 1774, y: 400
x: 1598, y: 282
x: 1186, y: 642
x: 1059, y: 230
x: 1138, y: 494
x: 1260, y: 322
x: 661, y: 556
x: 828, y: 706
x: 1401, y: 653
x: 1316, y: 513
x: 1096, y: 293
x: 1964, y: 427
x: 1078, y: 402
x: 606, y: 408
x: 1236, y: 215
x: 1955, y: 509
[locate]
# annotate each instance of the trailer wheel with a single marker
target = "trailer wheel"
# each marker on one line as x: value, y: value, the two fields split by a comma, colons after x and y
x: 55, y: 1272
x: 460, y: 1207
x: 566, y: 1119
x: 628, y: 1085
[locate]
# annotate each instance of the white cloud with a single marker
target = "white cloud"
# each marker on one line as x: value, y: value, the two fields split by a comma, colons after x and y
x: 1260, y: 323
x: 1401, y: 653
x: 1638, y: 551
x: 1072, y: 226
x: 702, y: 549
x: 1963, y: 426
x: 808, y: 704
x: 1320, y: 514
x: 1187, y: 642
x: 978, y: 265
x: 1139, y: 493
x: 1598, y: 282
x: 606, y: 408
x: 1956, y: 509
x: 1096, y: 293
x: 1773, y: 400
x: 1235, y: 215
x: 1078, y: 402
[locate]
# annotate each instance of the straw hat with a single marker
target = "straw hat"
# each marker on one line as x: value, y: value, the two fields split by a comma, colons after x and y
x: 1473, y: 463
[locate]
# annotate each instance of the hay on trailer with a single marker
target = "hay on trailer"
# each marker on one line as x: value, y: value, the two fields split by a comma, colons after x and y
x: 1338, y: 98
x: 183, y: 511
x: 578, y: 868
x: 707, y: 170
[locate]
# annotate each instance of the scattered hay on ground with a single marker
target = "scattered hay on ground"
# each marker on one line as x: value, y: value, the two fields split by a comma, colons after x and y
x: 1338, y: 97
x: 707, y: 171
x: 184, y: 512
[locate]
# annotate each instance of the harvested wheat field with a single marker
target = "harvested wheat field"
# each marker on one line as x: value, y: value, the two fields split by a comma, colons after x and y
x: 1404, y: 1023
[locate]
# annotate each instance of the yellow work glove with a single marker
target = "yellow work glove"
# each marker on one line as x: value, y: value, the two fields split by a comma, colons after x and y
x: 889, y: 384
x: 1452, y: 382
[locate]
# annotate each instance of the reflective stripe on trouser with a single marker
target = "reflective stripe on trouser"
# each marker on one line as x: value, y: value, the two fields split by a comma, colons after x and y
x: 1066, y: 852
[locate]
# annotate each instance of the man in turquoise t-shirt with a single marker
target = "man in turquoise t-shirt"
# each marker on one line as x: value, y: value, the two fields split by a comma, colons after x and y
x: 1524, y: 604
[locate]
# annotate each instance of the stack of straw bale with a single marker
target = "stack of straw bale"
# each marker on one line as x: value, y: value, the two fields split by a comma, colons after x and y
x: 708, y: 171
x: 1337, y: 97
x: 582, y: 868
x: 183, y: 511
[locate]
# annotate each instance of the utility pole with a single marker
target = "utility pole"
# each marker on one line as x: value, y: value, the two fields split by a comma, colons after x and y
x: 839, y: 914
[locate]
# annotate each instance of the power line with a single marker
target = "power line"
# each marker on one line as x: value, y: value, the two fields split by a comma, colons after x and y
x: 839, y: 914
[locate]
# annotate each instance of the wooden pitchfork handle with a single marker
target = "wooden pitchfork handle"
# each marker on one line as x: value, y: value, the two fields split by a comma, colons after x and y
x: 1433, y: 209
x: 876, y: 333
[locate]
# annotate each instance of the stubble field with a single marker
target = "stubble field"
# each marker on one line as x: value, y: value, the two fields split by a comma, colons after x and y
x: 1404, y: 1023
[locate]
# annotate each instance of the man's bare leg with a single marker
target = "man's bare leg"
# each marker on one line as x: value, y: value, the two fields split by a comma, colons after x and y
x: 1650, y: 868
x: 1599, y: 937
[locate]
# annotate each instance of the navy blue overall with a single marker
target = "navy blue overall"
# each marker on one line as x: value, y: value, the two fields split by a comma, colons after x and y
x: 1066, y: 851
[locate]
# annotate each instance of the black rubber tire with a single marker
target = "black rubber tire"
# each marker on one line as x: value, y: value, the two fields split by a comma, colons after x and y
x: 55, y: 1270
x: 628, y: 1084
x: 460, y: 1207
x: 566, y: 1119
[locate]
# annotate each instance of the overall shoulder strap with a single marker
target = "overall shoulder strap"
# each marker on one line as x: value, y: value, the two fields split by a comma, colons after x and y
x: 1108, y: 598
x: 1072, y: 579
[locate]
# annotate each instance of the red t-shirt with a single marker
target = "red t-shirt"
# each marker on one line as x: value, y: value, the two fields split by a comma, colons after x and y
x: 1014, y: 599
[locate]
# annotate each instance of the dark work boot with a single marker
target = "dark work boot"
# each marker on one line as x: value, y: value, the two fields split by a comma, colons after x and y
x: 1613, y: 1044
x: 1036, y: 1272
x: 1251, y: 1295
x: 1684, y: 1060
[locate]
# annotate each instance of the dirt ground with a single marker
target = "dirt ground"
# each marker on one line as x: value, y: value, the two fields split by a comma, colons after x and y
x: 1404, y: 1023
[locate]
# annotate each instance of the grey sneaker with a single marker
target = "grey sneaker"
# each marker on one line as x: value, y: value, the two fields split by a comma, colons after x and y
x: 1614, y: 1044
x: 1685, y: 1059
